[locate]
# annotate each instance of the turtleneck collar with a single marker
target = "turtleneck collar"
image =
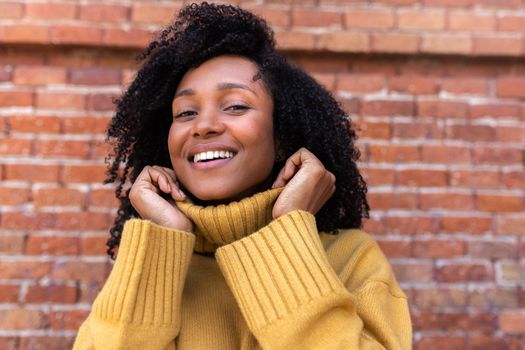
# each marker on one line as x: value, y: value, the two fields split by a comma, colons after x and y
x: 223, y: 224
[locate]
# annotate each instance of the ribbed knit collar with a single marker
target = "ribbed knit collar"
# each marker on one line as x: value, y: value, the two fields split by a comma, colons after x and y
x: 218, y: 225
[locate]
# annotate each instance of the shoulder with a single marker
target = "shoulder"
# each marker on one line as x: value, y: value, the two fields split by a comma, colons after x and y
x: 358, y: 260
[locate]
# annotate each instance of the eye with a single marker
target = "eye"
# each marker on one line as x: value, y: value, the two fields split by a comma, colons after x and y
x: 237, y: 108
x: 184, y: 114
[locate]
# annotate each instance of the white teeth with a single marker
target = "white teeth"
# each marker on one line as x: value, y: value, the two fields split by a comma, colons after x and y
x: 211, y: 155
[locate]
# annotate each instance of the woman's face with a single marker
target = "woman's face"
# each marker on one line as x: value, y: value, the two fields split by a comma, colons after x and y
x: 221, y: 141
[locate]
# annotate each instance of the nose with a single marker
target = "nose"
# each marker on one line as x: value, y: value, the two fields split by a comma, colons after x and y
x: 208, y: 123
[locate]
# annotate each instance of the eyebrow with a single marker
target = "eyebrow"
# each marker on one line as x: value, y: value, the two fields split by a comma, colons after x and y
x: 221, y: 86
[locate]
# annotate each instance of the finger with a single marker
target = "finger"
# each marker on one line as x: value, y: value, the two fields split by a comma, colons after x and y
x: 176, y: 192
x: 286, y: 173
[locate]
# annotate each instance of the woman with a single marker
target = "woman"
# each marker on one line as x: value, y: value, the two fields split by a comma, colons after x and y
x: 241, y: 227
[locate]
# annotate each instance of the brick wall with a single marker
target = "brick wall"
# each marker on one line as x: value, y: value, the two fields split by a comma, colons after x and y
x: 437, y: 88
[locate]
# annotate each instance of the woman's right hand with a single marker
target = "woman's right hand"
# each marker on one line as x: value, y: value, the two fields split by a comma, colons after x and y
x: 146, y: 199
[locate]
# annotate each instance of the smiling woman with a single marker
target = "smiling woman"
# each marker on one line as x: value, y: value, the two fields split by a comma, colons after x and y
x: 241, y: 228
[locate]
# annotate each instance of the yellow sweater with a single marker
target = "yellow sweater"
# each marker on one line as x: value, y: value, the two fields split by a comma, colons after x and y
x: 272, y: 285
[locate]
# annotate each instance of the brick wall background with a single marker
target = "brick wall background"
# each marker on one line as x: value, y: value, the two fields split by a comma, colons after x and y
x: 437, y: 88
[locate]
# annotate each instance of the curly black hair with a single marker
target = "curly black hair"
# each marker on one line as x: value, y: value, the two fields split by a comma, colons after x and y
x: 305, y: 114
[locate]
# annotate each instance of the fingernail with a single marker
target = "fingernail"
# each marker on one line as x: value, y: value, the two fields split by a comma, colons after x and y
x: 182, y: 193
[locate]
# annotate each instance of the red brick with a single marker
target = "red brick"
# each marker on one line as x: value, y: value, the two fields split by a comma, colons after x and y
x: 510, y: 225
x: 62, y: 148
x: 445, y: 154
x: 414, y: 85
x: 499, y: 156
x: 85, y: 125
x: 364, y: 83
x: 12, y: 146
x: 376, y: 177
x: 416, y: 177
x: 468, y: 224
x: 512, y: 322
x: 421, y: 20
x: 394, y: 42
x: 78, y: 35
x: 464, y: 272
x: 411, y: 225
x: 54, y: 293
x: 104, y: 13
x: 24, y: 270
x: 10, y: 244
x: 511, y: 87
x: 287, y: 40
x: 437, y: 248
x: 471, y: 86
x: 9, y: 293
x: 468, y: 321
x: 48, y: 245
x: 425, y: 320
x: 60, y: 100
x: 18, y: 319
x: 513, y: 179
x: 101, y: 102
x: 153, y: 13
x: 24, y: 33
x: 386, y: 201
x: 49, y: 10
x: 13, y: 195
x: 374, y: 129
x: 95, y: 76
x: 493, y: 298
x: 34, y: 124
x: 327, y: 80
x: 79, y: 271
x: 495, y: 110
x: 132, y: 38
x: 475, y: 178
x: 94, y: 245
x: 452, y: 201
x: 446, y: 44
x: 442, y: 109
x: 417, y: 130
x: 27, y: 221
x: 513, y: 4
x: 394, y: 153
x: 512, y: 272
x: 471, y: 133
x: 84, y: 173
x: 492, y: 250
x: 490, y: 342
x: 499, y: 203
x: 46, y: 342
x: 374, y: 225
x: 360, y: 18
x: 302, y: 17
x: 276, y: 17
x: 467, y: 21
x: 344, y: 42
x: 508, y: 23
x: 32, y: 172
x: 440, y: 297
x: 387, y: 108
x: 413, y: 272
x: 16, y: 99
x: 397, y: 2
x: 58, y: 197
x: 71, y: 319
x: 497, y: 45
x: 510, y: 133
x: 395, y: 248
x: 6, y: 73
x: 11, y: 10
x: 82, y: 221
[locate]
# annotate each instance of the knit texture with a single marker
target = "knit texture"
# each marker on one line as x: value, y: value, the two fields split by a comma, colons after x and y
x: 274, y: 284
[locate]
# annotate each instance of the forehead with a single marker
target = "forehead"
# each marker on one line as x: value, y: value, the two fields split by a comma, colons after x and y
x: 227, y: 68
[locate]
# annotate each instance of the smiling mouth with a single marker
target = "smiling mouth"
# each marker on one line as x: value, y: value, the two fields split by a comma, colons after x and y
x: 208, y: 156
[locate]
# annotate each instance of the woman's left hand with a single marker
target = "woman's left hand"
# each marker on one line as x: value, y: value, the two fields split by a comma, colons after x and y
x: 307, y: 184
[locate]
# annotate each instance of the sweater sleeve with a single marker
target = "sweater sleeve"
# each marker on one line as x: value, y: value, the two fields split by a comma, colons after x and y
x: 292, y: 298
x: 139, y: 305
